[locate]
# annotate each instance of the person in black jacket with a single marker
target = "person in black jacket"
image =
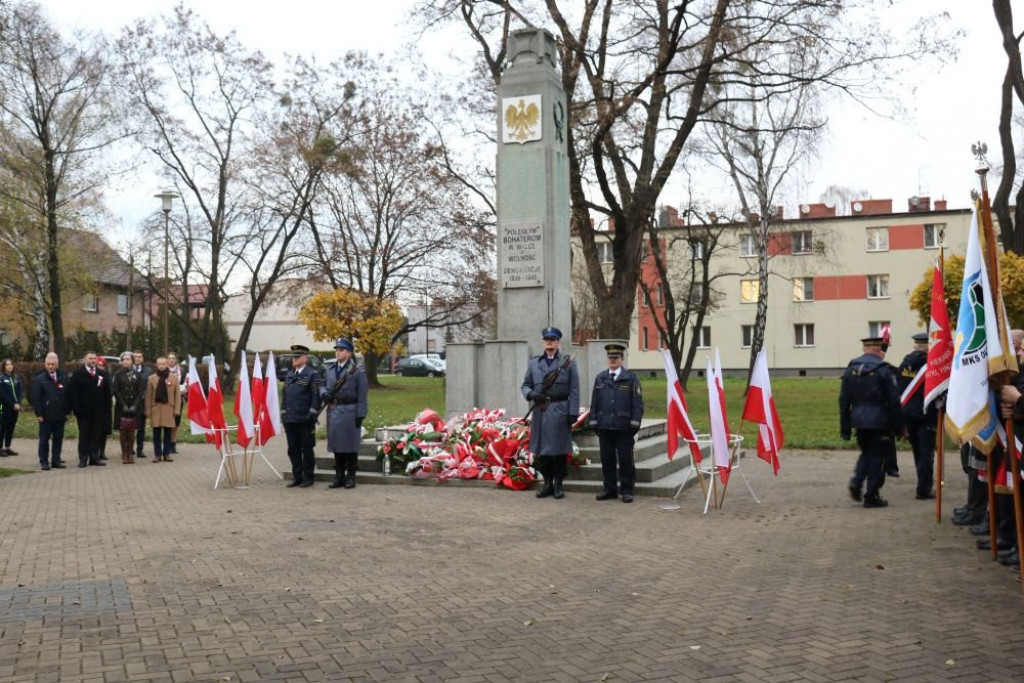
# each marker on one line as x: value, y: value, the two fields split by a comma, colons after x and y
x: 869, y: 401
x: 50, y: 404
x: 11, y: 396
x: 89, y: 394
x: 127, y: 387
x: 300, y: 404
x: 921, y: 425
x: 616, y: 408
x: 144, y: 372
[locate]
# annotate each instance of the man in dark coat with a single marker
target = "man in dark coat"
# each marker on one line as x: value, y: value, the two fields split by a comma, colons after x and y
x: 144, y: 371
x: 552, y: 384
x: 921, y: 425
x: 89, y: 395
x: 616, y: 408
x: 345, y: 391
x: 300, y: 403
x: 869, y: 401
x: 50, y: 404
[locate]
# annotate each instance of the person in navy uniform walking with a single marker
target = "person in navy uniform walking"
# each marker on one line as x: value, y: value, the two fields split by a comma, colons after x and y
x: 921, y: 425
x: 616, y: 408
x: 345, y: 392
x: 552, y: 384
x: 869, y: 401
x: 300, y: 403
x: 51, y: 406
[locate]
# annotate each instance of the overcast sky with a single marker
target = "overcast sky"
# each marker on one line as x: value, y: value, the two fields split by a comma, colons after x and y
x: 926, y: 151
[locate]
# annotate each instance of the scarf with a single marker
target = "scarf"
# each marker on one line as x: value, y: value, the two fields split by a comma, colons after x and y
x: 161, y: 386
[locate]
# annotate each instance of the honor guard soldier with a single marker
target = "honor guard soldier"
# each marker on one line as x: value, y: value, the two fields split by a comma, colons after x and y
x: 552, y: 385
x: 300, y: 404
x: 345, y: 392
x: 616, y: 408
x: 921, y: 425
x: 869, y: 401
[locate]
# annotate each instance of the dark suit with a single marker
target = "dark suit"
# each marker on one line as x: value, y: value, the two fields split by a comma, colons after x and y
x: 300, y: 403
x: 50, y: 402
x: 89, y: 395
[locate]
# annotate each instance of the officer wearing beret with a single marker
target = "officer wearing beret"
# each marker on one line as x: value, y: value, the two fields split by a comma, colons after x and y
x: 921, y: 425
x: 552, y: 384
x: 869, y: 401
x: 345, y: 393
x: 616, y: 408
x: 300, y: 403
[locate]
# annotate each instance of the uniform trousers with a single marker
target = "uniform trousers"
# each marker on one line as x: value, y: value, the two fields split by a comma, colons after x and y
x: 301, y: 439
x: 617, y: 460
x: 875, y: 445
x: 89, y: 433
x: 922, y: 441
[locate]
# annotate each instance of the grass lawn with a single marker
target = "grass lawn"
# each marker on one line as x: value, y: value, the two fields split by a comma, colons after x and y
x: 808, y: 407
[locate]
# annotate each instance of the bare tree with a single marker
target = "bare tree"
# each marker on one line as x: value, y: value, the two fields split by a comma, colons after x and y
x: 1008, y: 202
x: 55, y: 117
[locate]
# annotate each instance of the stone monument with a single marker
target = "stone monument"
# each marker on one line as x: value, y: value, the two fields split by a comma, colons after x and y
x: 534, y: 288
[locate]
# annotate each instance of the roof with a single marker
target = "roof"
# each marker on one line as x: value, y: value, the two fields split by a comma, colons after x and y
x: 103, y: 264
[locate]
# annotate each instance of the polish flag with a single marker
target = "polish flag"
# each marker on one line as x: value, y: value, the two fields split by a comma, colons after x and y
x: 243, y: 406
x: 760, y: 409
x: 259, y: 401
x: 215, y: 402
x: 719, y: 421
x: 940, y: 344
x: 270, y: 400
x: 678, y: 416
x: 198, y: 417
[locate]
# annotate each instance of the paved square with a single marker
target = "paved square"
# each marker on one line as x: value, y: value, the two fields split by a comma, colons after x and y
x: 144, y: 573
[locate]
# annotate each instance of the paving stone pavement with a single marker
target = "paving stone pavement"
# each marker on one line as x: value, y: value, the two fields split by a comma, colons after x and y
x: 145, y: 573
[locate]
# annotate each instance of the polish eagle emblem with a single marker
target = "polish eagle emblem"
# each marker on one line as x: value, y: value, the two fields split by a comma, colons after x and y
x: 521, y: 121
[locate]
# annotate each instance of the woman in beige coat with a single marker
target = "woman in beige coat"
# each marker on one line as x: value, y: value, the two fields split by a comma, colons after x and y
x: 163, y: 403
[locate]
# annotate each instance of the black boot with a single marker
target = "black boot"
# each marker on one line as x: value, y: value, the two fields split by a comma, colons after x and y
x: 350, y: 470
x: 559, y: 493
x: 339, y: 468
x: 548, y: 489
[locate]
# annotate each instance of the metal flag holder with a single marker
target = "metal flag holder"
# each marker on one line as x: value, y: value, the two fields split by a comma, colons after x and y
x: 706, y: 468
x: 239, y: 476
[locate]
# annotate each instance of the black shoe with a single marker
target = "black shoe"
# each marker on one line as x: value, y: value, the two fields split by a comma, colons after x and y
x: 986, y: 544
x: 875, y: 501
x: 59, y: 465
x: 970, y: 520
x: 930, y: 495
x: 855, y: 492
x: 960, y: 511
x: 44, y: 467
x: 980, y: 529
x: 3, y: 453
x: 1000, y: 554
x: 350, y: 481
x: 627, y: 497
x: 141, y: 455
x: 294, y: 482
x: 306, y: 483
x: 1011, y: 560
x: 606, y: 495
x: 547, y: 490
x: 336, y: 484
x: 83, y: 464
x: 8, y: 451
x: 892, y: 473
x: 102, y: 457
x: 558, y: 492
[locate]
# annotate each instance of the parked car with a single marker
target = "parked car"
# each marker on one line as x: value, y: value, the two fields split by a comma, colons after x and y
x: 432, y: 359
x: 112, y: 361
x: 418, y: 367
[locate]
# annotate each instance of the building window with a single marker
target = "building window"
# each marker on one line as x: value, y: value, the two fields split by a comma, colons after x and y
x: 804, y: 334
x: 662, y: 342
x: 604, y: 252
x: 878, y: 239
x: 748, y: 335
x: 643, y: 335
x: 878, y: 286
x: 748, y: 247
x: 703, y: 335
x: 802, y: 243
x: 696, y: 293
x: 91, y: 303
x: 803, y: 289
x: 661, y: 294
x: 122, y: 304
x: 647, y: 297
x: 933, y: 234
x: 749, y: 290
x: 875, y: 327
x: 696, y: 249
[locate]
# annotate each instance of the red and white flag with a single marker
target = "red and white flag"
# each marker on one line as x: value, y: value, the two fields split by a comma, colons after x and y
x: 678, y: 416
x: 940, y: 344
x: 259, y: 402
x: 272, y: 402
x: 198, y: 417
x: 243, y: 406
x: 915, y: 385
x: 720, y: 451
x: 215, y: 402
x: 760, y: 409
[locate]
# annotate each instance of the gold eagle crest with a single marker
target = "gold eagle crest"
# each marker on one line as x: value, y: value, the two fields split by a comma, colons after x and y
x: 522, y: 120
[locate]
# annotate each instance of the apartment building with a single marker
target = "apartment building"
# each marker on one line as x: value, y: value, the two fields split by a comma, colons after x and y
x: 833, y: 280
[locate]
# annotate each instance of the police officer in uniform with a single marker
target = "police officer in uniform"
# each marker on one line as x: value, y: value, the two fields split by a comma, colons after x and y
x: 616, y: 408
x: 869, y: 401
x: 552, y: 384
x: 345, y: 392
x: 921, y: 425
x: 300, y: 404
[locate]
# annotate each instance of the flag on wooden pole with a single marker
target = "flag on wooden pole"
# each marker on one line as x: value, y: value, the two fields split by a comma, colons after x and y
x: 678, y: 415
x: 198, y: 417
x: 720, y: 433
x: 243, y: 406
x: 760, y: 409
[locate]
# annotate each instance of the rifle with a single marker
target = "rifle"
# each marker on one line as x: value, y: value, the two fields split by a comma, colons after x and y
x: 549, y: 379
x: 336, y: 389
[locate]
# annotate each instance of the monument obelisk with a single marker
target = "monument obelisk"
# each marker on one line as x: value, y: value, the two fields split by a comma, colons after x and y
x: 534, y: 289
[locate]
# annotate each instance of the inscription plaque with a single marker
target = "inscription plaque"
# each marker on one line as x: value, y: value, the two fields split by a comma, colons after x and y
x: 522, y: 262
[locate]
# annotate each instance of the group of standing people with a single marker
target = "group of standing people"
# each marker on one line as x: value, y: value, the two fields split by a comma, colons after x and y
x: 103, y: 401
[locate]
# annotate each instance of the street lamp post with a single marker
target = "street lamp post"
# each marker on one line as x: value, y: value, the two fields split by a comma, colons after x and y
x: 165, y: 198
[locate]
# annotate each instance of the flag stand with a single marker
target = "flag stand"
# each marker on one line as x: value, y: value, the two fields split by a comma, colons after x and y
x: 228, y: 469
x: 707, y: 468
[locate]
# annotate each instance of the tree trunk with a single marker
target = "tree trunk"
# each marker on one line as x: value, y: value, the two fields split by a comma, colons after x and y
x: 761, y: 317
x: 53, y: 259
x: 370, y: 362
